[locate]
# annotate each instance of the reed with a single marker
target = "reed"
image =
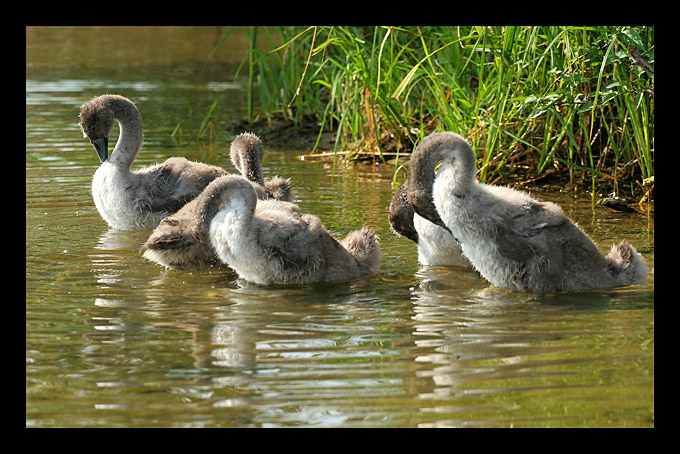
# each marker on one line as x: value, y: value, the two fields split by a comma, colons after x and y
x: 578, y: 100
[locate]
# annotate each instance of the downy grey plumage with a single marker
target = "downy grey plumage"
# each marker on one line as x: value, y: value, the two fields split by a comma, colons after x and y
x: 176, y: 242
x: 512, y: 239
x: 436, y: 246
x: 271, y: 242
x: 136, y: 199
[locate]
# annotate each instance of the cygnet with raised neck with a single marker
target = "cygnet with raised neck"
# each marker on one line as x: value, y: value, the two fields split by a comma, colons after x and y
x: 512, y: 239
x: 246, y: 153
x: 436, y: 246
x: 271, y: 242
x: 176, y: 242
x: 136, y: 199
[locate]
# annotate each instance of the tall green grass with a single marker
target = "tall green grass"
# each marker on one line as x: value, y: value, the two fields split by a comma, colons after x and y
x: 535, y: 98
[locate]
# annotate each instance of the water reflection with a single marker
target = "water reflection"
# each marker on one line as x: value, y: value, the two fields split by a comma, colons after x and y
x: 486, y: 343
x: 276, y: 346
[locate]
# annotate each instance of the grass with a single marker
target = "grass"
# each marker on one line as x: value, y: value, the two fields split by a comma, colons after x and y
x: 530, y: 99
x: 206, y: 130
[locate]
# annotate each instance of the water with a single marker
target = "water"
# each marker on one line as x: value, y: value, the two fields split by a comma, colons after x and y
x: 113, y: 340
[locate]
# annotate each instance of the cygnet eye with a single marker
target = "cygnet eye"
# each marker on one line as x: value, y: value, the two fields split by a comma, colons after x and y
x: 436, y: 168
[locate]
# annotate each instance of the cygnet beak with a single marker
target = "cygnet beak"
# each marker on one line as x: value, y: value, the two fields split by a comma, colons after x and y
x: 101, y: 147
x: 441, y: 224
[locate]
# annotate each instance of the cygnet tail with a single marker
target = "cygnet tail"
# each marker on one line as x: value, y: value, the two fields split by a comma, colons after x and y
x: 278, y: 188
x: 628, y: 264
x: 168, y: 240
x: 363, y: 245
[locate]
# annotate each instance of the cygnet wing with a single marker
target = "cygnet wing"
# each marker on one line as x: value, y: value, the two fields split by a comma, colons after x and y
x: 292, y: 238
x: 529, y: 227
x: 176, y: 181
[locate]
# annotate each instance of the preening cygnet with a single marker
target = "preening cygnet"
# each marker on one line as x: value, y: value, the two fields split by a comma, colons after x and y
x: 246, y: 152
x: 436, y: 246
x: 512, y: 239
x: 136, y: 199
x: 271, y: 242
x: 176, y: 242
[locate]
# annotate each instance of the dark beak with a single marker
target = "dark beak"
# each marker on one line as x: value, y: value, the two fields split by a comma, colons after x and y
x: 101, y: 147
x: 441, y: 224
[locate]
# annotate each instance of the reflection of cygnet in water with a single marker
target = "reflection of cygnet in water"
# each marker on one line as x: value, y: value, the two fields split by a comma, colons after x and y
x: 512, y: 239
x: 271, y: 242
x: 111, y: 256
x: 436, y: 246
x: 139, y: 199
x: 176, y: 242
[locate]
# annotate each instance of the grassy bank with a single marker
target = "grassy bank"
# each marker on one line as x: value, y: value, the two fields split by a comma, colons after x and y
x: 532, y: 100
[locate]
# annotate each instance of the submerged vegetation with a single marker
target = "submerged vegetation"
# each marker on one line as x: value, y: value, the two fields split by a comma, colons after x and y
x: 532, y: 100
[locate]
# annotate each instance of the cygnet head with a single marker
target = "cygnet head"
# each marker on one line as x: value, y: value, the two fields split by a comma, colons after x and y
x: 400, y: 215
x: 96, y: 122
x: 98, y: 115
x: 246, y: 154
x: 458, y: 164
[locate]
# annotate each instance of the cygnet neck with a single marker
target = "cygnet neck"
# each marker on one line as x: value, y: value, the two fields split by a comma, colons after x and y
x: 131, y: 132
x: 246, y: 154
x: 458, y: 168
x: 226, y: 189
x: 458, y: 165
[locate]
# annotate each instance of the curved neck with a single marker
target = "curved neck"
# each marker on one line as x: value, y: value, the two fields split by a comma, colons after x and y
x: 131, y: 132
x: 246, y: 152
x: 229, y: 192
x: 250, y: 168
x: 458, y: 168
